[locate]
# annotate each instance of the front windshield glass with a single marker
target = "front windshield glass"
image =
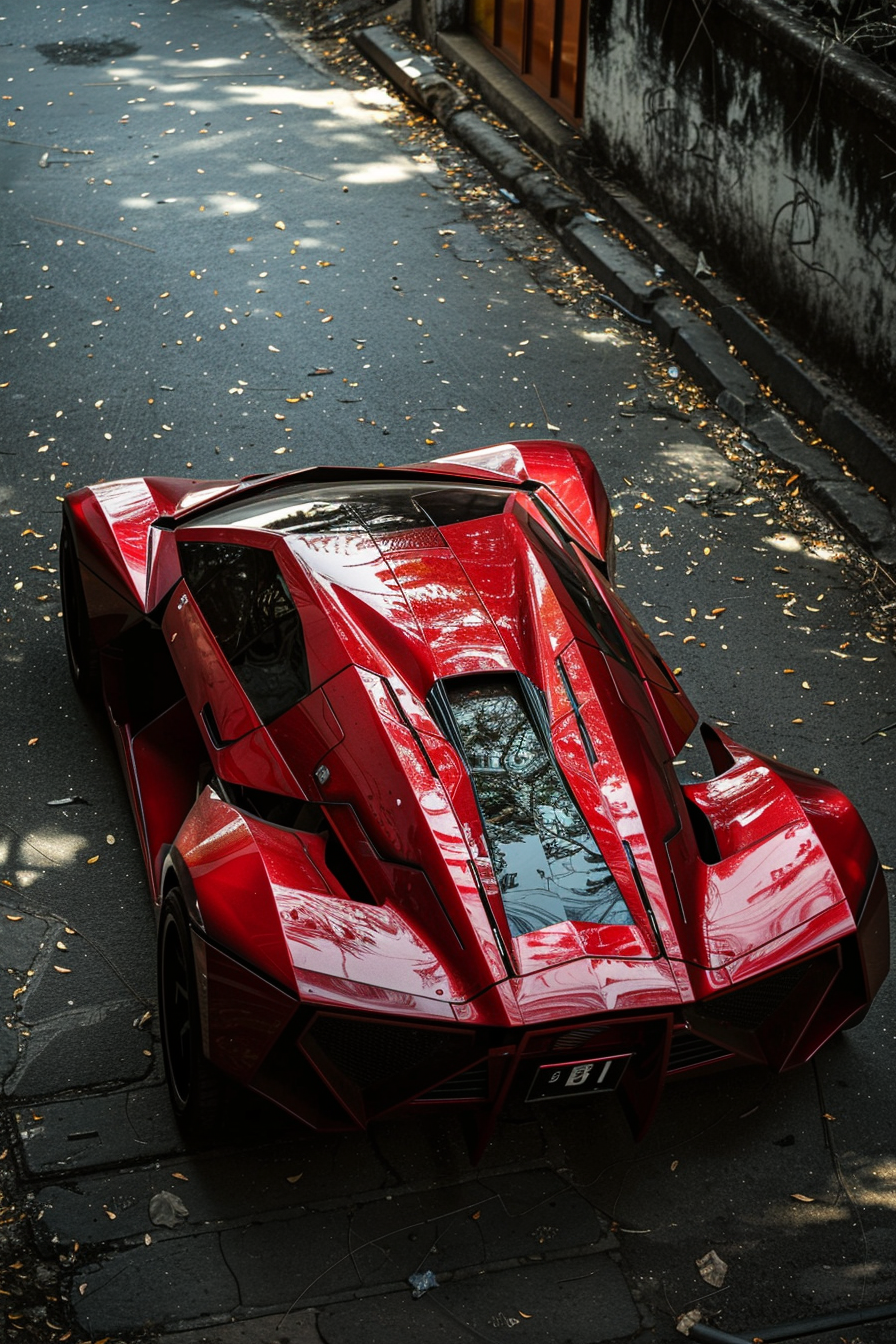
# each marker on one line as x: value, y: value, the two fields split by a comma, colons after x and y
x: 379, y: 508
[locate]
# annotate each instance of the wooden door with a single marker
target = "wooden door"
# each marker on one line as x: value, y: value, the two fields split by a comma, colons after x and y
x: 543, y: 41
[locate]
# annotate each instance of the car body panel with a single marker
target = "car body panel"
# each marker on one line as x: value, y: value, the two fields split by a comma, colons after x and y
x: 357, y: 860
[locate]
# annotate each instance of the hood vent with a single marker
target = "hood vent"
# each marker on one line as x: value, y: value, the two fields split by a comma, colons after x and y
x: 548, y: 865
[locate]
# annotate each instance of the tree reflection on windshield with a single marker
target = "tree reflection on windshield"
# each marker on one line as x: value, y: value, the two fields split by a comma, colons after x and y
x: 548, y: 865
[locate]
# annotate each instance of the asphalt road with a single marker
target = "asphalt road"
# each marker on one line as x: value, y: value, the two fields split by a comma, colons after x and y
x: 221, y: 256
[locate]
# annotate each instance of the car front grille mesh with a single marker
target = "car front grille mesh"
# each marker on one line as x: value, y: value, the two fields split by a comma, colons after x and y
x: 471, y: 1085
x: 687, y: 1051
x: 750, y: 1005
x: 370, y: 1052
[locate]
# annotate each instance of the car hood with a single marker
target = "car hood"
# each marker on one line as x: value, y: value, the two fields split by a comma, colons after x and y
x: 475, y: 604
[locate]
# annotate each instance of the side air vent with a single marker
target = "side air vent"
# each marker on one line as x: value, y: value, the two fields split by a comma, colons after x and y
x: 704, y: 834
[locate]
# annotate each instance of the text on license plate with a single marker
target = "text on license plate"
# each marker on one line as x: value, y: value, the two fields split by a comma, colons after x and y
x: 576, y: 1079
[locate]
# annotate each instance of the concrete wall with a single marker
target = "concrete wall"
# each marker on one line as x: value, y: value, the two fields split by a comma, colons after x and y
x: 772, y: 153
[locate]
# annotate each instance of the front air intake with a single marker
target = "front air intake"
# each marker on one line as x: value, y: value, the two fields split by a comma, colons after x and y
x: 751, y: 1005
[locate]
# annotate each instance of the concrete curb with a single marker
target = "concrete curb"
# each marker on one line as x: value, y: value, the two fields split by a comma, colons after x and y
x: 702, y: 350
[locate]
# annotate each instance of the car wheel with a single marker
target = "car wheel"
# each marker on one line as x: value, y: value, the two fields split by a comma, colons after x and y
x: 80, y: 646
x: 194, y: 1085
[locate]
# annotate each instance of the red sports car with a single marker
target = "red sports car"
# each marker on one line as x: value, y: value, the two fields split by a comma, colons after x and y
x: 403, y: 769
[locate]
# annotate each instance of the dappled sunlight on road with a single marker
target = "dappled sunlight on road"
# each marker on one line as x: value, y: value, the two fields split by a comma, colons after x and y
x: 611, y: 337
x: 31, y: 854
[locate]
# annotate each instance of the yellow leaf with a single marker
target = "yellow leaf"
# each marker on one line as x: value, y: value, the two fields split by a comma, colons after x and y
x: 292, y: 1179
x: 279, y: 224
x: 95, y: 859
x: 63, y: 970
x: 803, y: 1199
x: 14, y: 919
x: 179, y: 1176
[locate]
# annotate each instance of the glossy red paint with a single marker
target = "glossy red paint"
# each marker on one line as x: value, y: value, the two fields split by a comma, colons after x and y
x: 354, y: 904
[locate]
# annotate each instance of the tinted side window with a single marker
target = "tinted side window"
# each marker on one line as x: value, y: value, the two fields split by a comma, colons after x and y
x: 244, y: 599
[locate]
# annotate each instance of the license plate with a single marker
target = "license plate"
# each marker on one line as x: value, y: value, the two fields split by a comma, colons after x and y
x: 577, y: 1079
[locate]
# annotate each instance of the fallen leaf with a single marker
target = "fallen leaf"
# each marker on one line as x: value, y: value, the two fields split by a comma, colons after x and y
x: 95, y: 859
x: 292, y: 1179
x: 167, y: 1209
x: 63, y: 970
x: 279, y: 224
x: 712, y: 1269
x: 804, y: 1199
x: 179, y: 1176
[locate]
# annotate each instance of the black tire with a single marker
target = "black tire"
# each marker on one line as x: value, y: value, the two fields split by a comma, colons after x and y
x: 80, y: 646
x: 194, y: 1085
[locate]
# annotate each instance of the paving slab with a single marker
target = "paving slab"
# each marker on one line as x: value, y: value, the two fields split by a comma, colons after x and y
x: 89, y: 1046
x: 216, y: 1187
x: 365, y: 1244
x: 299, y: 1328
x: 156, y: 1285
x: 580, y: 1301
x: 127, y: 1126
